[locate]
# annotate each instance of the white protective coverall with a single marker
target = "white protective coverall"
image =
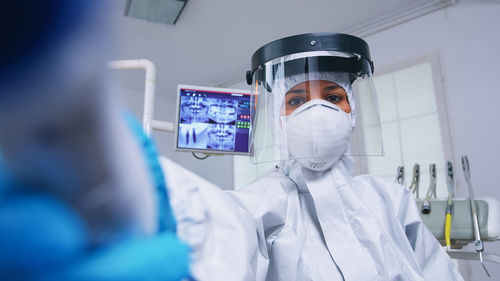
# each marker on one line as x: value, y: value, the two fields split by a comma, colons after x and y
x: 227, y: 243
x: 295, y: 224
x: 331, y: 226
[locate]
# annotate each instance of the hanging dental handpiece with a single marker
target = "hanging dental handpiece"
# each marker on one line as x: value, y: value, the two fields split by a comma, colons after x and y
x: 400, y: 175
x: 415, y: 181
x: 478, y: 243
x: 426, y: 205
x: 449, y: 206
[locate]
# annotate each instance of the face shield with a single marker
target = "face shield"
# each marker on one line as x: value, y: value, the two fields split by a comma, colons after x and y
x: 313, y: 98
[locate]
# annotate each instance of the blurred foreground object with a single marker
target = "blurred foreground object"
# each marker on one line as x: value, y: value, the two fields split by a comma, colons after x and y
x: 77, y: 196
x: 60, y: 131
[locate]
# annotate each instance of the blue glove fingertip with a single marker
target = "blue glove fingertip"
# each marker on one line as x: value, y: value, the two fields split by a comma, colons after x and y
x: 163, y: 257
x: 37, y: 232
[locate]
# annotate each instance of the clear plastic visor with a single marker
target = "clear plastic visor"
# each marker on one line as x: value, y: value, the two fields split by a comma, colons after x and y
x: 314, y: 107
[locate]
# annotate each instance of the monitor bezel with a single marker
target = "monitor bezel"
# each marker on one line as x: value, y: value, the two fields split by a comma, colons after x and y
x: 177, y: 119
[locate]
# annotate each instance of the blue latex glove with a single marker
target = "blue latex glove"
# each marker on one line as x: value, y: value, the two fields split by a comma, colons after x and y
x: 166, y: 219
x: 36, y: 234
x: 42, y: 239
x: 162, y: 257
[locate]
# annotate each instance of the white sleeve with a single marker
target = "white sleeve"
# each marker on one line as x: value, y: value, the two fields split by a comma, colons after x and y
x: 431, y: 257
x: 227, y: 243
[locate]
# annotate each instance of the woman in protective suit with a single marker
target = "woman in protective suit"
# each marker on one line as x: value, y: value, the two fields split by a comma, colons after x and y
x: 319, y: 222
x: 308, y: 219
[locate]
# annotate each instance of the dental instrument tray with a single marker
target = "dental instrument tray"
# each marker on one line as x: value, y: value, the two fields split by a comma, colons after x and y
x: 462, y: 230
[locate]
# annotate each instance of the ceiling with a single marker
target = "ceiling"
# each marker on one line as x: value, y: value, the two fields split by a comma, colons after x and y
x: 212, y: 42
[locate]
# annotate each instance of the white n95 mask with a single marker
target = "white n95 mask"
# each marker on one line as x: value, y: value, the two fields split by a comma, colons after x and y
x: 318, y: 134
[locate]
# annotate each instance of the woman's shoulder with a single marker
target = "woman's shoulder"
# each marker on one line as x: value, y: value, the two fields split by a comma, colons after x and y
x: 370, y: 185
x: 273, y: 181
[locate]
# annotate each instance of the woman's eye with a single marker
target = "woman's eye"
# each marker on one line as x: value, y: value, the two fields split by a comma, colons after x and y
x: 334, y: 98
x: 296, y: 101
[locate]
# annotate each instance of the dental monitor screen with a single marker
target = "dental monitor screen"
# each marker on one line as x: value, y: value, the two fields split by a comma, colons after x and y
x: 212, y: 120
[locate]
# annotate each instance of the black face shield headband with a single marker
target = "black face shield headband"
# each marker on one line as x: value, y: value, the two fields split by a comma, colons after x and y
x: 358, y: 63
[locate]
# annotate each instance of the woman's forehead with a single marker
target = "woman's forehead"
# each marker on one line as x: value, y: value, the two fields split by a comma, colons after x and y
x: 324, y: 84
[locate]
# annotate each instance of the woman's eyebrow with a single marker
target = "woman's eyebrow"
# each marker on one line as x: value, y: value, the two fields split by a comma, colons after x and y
x: 332, y: 87
x: 296, y: 91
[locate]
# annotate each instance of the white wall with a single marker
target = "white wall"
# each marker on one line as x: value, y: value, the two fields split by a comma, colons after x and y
x: 217, y: 169
x: 467, y: 39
